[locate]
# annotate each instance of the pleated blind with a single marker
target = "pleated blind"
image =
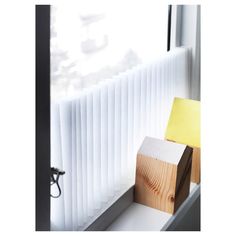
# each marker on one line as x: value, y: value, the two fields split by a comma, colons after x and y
x: 95, y: 135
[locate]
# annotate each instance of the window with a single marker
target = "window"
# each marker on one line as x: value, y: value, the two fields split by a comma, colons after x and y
x: 102, y: 105
x: 104, y: 89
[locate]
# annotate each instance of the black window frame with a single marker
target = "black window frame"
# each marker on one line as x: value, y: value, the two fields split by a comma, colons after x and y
x: 42, y: 190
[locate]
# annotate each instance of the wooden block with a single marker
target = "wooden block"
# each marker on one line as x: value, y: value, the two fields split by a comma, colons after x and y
x: 196, y: 163
x: 162, y: 174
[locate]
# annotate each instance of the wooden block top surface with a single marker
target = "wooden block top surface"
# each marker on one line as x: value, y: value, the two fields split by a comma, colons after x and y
x: 163, y: 150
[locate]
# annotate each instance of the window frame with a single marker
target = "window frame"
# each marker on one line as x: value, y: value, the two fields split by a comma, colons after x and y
x: 42, y: 157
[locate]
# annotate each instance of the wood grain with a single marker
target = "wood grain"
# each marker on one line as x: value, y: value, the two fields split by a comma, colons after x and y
x: 161, y: 184
x: 183, y: 177
x: 196, y: 163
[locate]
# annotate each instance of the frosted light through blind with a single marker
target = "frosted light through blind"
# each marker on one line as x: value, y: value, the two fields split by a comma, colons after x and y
x: 94, y: 40
x: 96, y: 135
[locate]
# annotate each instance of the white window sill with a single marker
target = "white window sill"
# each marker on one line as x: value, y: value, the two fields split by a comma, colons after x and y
x: 138, y: 217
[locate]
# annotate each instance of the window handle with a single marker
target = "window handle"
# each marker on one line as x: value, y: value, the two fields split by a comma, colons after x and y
x: 55, y: 175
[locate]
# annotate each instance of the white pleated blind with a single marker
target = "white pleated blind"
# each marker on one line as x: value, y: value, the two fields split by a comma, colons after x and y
x: 95, y: 135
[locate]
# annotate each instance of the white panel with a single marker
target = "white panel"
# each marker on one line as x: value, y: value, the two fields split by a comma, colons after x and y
x: 143, y: 103
x: 79, y: 194
x: 89, y: 116
x: 164, y: 96
x: 137, y: 114
x: 97, y: 148
x: 74, y: 160
x: 153, y: 108
x: 65, y: 115
x: 124, y: 127
x: 83, y: 131
x: 117, y: 127
x: 111, y: 138
x: 130, y: 129
x: 148, y: 102
x: 104, y: 143
x: 156, y: 76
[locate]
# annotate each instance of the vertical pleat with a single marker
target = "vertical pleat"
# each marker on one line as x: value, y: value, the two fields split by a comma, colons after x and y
x: 124, y: 128
x: 111, y: 138
x: 143, y: 104
x: 152, y: 102
x: 130, y: 128
x: 79, y: 194
x: 117, y: 127
x: 148, y: 102
x: 163, y: 98
x: 83, y: 114
x: 66, y: 118
x: 74, y: 159
x: 104, y: 143
x: 158, y: 98
x: 89, y: 120
x: 137, y: 118
x: 97, y: 148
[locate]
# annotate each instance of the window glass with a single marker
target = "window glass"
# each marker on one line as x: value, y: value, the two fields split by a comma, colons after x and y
x: 94, y: 40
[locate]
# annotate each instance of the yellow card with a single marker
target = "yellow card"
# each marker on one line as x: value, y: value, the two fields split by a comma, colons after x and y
x: 184, y: 122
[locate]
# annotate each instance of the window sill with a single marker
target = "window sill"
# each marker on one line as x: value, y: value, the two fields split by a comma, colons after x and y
x: 138, y: 217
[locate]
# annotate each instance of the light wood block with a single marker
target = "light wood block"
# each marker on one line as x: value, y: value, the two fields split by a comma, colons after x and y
x: 184, y: 127
x: 196, y: 163
x: 162, y: 174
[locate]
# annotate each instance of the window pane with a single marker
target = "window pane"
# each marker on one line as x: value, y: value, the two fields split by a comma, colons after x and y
x: 94, y: 40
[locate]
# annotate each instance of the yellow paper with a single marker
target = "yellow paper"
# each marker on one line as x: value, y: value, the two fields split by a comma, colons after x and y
x: 184, y: 122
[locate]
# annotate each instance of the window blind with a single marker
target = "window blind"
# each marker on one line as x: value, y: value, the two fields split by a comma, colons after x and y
x: 95, y: 135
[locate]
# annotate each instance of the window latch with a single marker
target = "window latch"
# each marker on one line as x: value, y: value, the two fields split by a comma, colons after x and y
x: 55, y: 175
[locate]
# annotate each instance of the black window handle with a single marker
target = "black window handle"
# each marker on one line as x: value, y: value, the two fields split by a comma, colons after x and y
x: 55, y: 175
